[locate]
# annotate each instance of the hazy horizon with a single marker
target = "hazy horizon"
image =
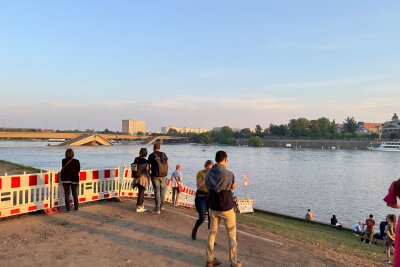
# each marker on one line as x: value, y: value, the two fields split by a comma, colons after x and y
x: 89, y: 65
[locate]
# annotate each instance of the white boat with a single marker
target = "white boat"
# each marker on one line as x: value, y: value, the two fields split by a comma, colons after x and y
x: 385, y: 146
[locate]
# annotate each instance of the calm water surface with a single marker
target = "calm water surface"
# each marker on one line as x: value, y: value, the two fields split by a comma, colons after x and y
x: 350, y: 184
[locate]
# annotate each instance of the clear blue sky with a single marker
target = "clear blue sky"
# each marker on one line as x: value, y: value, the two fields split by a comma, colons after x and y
x: 90, y: 64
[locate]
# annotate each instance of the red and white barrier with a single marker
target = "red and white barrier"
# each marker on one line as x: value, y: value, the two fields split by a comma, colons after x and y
x: 185, y: 198
x: 127, y: 186
x: 93, y: 185
x: 245, y: 205
x: 24, y: 193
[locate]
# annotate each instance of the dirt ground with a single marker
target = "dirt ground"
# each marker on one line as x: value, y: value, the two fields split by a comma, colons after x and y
x: 110, y: 233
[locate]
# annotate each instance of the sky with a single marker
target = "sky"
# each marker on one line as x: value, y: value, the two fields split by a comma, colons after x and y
x: 91, y: 64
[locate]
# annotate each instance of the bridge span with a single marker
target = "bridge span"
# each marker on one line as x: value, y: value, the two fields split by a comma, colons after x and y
x: 70, y: 136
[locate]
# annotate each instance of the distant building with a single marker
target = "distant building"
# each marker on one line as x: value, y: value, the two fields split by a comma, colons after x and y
x: 133, y: 126
x: 236, y: 130
x: 369, y: 127
x: 391, y: 129
x: 164, y: 130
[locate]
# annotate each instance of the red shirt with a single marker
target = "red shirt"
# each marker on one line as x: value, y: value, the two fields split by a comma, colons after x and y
x: 370, y: 224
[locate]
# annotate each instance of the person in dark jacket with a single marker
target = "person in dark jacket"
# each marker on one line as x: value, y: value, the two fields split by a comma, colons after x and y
x: 70, y: 178
x: 143, y: 181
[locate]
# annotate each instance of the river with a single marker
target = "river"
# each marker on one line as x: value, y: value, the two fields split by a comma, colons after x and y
x: 350, y: 184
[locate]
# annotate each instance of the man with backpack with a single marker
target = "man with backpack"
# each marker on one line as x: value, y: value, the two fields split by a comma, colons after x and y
x: 159, y: 170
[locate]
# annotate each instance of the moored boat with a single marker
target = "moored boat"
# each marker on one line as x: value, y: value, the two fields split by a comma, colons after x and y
x: 385, y: 146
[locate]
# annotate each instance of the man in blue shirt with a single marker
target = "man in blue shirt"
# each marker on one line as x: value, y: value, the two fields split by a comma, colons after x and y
x: 220, y: 182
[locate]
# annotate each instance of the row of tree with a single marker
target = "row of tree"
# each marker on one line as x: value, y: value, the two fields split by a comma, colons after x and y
x: 300, y: 128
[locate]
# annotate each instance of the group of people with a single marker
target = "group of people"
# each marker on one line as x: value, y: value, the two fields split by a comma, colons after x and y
x: 214, y: 197
x: 387, y: 230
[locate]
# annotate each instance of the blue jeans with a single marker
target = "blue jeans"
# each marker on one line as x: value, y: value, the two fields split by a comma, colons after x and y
x: 159, y: 187
x: 202, y: 206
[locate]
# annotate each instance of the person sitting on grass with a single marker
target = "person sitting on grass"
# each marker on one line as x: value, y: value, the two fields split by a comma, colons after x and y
x: 309, y: 216
x: 390, y: 231
x: 335, y: 223
x: 357, y: 229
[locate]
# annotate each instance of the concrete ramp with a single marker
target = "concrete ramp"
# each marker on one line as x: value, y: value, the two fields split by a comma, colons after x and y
x: 88, y: 140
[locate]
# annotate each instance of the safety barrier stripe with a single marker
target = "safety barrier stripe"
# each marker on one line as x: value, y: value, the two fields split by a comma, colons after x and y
x: 33, y: 192
x: 24, y: 193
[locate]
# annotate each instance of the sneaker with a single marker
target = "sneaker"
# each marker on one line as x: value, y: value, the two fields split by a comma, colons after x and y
x: 156, y: 211
x: 387, y: 261
x: 213, y: 263
x: 140, y: 209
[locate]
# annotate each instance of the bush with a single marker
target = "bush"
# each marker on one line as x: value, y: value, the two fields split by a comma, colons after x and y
x: 255, y: 141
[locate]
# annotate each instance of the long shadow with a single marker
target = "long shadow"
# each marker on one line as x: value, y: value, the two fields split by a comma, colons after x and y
x: 168, y: 252
x: 142, y: 228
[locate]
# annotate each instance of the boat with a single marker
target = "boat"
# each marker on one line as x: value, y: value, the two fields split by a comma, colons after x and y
x: 385, y: 146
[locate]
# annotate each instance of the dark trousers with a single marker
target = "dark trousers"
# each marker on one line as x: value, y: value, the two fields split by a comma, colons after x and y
x: 140, y: 198
x: 202, y: 207
x: 175, y: 193
x: 67, y: 192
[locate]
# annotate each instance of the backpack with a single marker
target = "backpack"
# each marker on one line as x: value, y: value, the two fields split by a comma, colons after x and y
x: 136, y: 169
x: 161, y: 165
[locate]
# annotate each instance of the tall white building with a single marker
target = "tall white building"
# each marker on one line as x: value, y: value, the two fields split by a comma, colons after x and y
x: 133, y: 126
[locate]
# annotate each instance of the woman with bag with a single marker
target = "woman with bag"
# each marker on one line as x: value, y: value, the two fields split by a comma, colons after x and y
x: 140, y: 173
x: 70, y: 178
x: 201, y: 200
x: 176, y: 183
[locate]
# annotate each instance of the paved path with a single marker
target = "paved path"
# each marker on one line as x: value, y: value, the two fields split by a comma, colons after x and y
x: 108, y: 233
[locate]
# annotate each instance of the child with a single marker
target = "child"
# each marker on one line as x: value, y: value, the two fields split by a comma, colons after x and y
x: 176, y: 180
x: 390, y: 231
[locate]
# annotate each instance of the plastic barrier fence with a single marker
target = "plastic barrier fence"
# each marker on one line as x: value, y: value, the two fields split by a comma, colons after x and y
x: 24, y: 193
x: 185, y: 198
x: 127, y: 189
x: 93, y: 185
x: 245, y: 205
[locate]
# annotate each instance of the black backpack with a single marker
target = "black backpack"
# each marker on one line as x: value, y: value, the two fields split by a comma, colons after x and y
x: 136, y: 169
x: 161, y: 162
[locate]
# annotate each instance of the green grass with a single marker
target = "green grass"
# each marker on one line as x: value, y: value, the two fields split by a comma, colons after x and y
x: 314, y: 233
x: 22, y: 167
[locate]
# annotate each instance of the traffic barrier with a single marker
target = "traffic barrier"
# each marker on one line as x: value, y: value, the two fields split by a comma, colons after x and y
x: 245, y: 205
x: 185, y: 198
x: 93, y: 185
x: 24, y: 193
x: 127, y: 186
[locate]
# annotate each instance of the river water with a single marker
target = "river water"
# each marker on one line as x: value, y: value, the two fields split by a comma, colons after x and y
x: 350, y: 184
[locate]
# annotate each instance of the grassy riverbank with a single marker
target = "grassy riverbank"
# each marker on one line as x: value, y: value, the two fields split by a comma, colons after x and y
x: 13, y: 168
x: 314, y: 233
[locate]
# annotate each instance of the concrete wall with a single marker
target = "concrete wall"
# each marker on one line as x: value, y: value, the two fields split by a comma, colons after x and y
x: 326, y: 144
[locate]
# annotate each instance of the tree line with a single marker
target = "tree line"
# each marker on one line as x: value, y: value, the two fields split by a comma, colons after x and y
x: 301, y: 128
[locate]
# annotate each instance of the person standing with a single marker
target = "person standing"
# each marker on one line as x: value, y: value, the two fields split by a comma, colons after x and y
x: 70, y: 178
x: 140, y: 173
x: 391, y: 201
x: 390, y: 230
x: 309, y: 216
x: 176, y: 180
x: 159, y: 170
x: 369, y: 232
x: 220, y: 182
x: 201, y: 200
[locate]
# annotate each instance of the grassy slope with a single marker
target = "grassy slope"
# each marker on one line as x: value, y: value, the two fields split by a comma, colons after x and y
x: 314, y: 233
x: 22, y: 167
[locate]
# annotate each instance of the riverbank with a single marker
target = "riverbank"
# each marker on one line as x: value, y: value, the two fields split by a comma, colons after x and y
x: 13, y: 168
